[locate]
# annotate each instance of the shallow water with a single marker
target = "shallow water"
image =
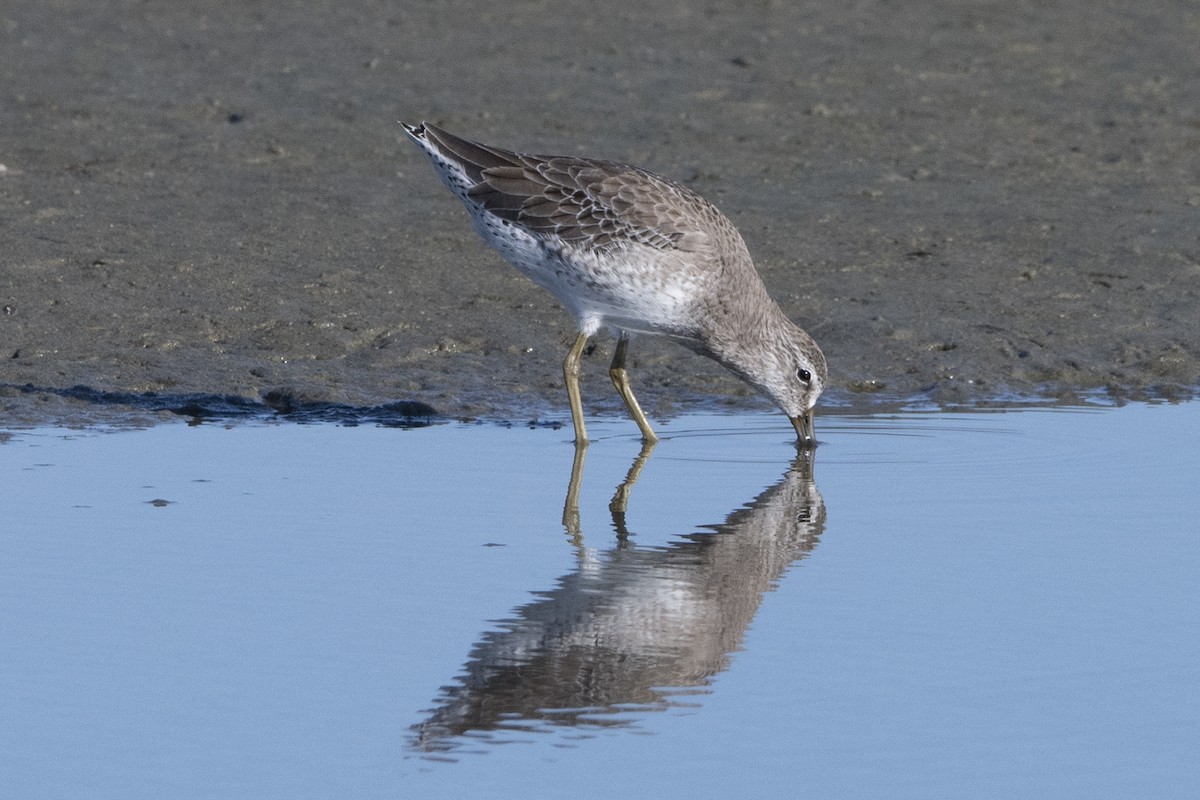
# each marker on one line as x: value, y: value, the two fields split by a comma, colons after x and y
x: 943, y: 605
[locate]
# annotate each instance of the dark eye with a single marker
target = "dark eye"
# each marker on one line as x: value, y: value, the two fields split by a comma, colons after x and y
x: 805, y: 375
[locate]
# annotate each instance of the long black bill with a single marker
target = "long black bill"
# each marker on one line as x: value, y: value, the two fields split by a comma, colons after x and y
x: 804, y: 430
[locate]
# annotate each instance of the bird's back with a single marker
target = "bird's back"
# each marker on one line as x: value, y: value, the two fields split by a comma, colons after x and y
x: 608, y: 239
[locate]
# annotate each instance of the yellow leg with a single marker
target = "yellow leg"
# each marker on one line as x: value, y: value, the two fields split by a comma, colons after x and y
x: 571, y: 376
x: 620, y: 379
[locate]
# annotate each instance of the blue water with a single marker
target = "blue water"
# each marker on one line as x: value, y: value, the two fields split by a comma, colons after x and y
x: 944, y: 605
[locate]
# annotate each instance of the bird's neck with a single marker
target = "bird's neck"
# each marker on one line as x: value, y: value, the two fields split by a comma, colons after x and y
x: 739, y: 327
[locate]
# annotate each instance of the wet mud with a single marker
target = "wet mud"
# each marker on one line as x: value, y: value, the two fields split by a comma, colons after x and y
x: 961, y: 202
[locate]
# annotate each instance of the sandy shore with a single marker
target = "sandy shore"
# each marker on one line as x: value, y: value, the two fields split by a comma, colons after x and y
x: 959, y: 201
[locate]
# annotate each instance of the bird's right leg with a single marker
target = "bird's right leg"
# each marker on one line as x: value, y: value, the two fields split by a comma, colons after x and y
x: 571, y: 376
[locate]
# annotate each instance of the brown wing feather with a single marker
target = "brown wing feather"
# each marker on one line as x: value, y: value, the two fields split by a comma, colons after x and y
x: 602, y: 203
x: 473, y: 156
x: 581, y: 200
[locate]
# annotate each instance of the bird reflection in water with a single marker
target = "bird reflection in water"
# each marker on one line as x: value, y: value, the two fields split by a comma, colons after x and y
x: 630, y: 629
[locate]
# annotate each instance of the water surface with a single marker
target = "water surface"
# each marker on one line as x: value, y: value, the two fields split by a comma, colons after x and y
x: 941, y: 605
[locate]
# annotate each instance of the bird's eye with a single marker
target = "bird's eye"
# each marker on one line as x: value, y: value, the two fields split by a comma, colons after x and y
x: 805, y: 375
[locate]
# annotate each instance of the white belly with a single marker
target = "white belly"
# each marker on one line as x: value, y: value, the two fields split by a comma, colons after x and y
x: 635, y: 288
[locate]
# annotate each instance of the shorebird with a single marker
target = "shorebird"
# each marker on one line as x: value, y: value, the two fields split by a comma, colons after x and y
x: 624, y: 248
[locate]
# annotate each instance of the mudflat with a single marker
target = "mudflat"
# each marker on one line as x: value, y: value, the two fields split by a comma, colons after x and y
x: 960, y: 202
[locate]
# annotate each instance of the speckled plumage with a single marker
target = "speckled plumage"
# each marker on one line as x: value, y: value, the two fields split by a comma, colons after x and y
x: 624, y: 248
